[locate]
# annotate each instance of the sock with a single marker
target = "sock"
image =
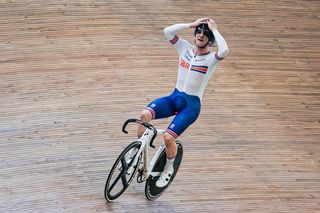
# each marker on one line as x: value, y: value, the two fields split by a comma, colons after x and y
x: 169, y: 164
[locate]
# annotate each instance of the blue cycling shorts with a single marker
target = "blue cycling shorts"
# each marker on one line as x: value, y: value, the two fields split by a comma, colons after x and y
x: 185, y: 107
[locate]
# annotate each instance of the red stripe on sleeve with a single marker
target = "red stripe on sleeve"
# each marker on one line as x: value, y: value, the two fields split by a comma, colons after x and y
x: 174, y: 40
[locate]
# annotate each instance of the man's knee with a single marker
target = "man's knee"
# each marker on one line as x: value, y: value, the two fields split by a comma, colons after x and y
x: 145, y: 115
x: 168, y: 139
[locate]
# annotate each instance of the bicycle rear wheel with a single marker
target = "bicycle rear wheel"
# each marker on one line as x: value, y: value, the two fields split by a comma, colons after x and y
x: 151, y: 190
x: 119, y: 178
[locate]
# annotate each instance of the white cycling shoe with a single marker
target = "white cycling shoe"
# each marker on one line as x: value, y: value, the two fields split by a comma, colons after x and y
x: 164, y: 178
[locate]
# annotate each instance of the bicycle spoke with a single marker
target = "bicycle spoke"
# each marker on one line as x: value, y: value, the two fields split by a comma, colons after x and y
x: 122, y: 174
x: 124, y: 164
x: 124, y: 181
x: 115, y: 181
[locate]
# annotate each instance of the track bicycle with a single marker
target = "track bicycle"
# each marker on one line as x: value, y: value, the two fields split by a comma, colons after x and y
x: 135, y: 158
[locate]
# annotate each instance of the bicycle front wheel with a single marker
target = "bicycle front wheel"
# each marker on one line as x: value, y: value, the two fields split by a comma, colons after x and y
x: 122, y: 171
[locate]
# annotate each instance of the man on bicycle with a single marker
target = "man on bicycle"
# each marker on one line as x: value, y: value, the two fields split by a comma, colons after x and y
x: 196, y: 65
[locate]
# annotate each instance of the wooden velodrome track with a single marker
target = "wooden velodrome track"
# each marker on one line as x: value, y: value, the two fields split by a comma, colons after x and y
x: 71, y: 72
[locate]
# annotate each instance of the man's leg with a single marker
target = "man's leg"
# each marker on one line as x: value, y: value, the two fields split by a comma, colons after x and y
x: 145, y: 116
x: 179, y: 124
x: 159, y: 108
x: 171, y: 151
x: 171, y: 147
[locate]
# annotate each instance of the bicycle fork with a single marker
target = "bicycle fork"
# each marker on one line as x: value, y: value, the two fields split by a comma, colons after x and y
x: 145, y: 139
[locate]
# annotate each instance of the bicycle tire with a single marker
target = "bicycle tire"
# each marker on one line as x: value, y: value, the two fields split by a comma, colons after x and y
x: 122, y: 164
x: 151, y: 190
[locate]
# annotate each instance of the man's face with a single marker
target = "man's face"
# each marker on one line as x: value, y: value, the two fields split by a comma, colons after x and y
x: 201, y: 39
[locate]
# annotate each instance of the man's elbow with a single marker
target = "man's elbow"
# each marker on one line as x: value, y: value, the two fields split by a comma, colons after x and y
x: 166, y: 30
x: 224, y: 53
x: 168, y: 33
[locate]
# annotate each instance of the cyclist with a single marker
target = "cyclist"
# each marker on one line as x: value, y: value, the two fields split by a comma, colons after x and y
x: 196, y: 65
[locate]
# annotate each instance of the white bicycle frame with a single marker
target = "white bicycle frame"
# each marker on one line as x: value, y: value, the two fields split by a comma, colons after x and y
x: 145, y: 143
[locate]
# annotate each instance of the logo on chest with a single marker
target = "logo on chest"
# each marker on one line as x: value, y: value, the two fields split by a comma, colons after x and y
x: 184, y: 64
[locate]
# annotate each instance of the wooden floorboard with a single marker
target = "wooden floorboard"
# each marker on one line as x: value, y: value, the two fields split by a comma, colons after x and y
x: 71, y: 72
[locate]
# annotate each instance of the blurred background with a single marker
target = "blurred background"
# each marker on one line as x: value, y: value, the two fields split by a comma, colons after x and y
x: 71, y: 72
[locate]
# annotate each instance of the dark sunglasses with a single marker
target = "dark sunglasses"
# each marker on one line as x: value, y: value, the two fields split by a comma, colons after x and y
x: 205, y: 32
